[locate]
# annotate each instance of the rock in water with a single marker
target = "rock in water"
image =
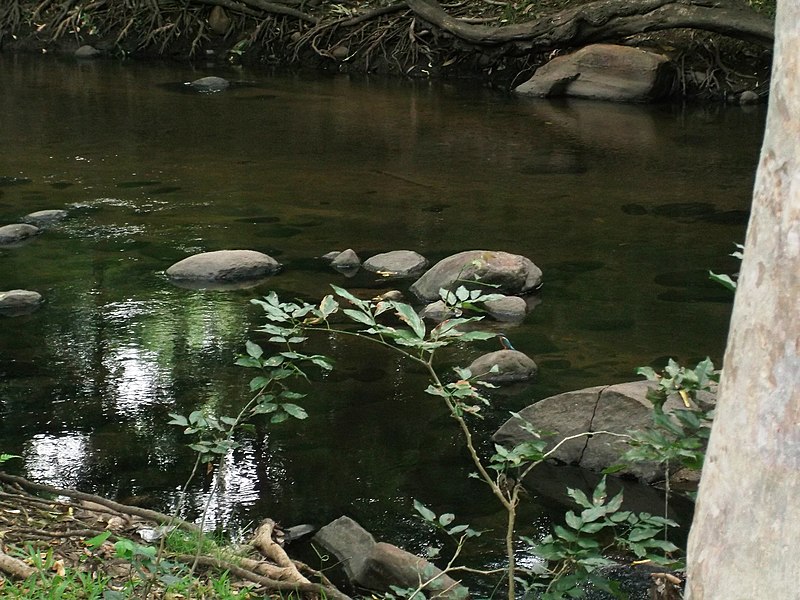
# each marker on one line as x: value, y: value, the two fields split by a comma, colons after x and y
x: 397, y: 263
x: 512, y: 366
x: 16, y: 232
x: 209, y: 84
x: 505, y: 273
x: 19, y: 302
x: 604, y: 72
x: 223, y: 266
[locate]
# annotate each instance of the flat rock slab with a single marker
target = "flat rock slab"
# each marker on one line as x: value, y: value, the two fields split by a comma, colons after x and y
x: 223, y: 266
x: 17, y: 232
x: 604, y: 72
x: 19, y: 302
x: 511, y: 366
x: 397, y: 263
x: 614, y: 408
x: 474, y: 269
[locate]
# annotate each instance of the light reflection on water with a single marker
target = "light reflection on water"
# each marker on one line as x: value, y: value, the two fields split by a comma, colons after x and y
x: 604, y: 198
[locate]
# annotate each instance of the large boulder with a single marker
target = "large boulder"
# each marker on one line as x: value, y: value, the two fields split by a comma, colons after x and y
x: 504, y: 366
x: 16, y: 232
x: 604, y: 72
x: 614, y: 408
x: 474, y: 269
x: 397, y: 263
x: 223, y: 266
x: 19, y: 302
x: 379, y: 566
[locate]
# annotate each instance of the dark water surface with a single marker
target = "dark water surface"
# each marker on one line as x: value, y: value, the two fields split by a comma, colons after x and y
x: 624, y: 208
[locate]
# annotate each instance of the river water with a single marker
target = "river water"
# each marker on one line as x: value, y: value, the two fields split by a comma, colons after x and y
x: 625, y: 209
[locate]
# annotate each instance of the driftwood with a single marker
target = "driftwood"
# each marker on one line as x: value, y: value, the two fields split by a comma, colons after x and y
x: 14, y: 567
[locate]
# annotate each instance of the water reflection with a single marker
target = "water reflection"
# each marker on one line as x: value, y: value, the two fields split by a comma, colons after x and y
x: 56, y: 459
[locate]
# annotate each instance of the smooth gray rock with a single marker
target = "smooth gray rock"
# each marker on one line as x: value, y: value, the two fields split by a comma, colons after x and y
x: 511, y: 309
x: 749, y: 97
x: 436, y: 311
x: 87, y: 51
x: 45, y: 217
x: 378, y: 566
x: 209, y: 84
x: 387, y: 565
x: 17, y: 232
x: 616, y: 408
x: 347, y: 259
x: 19, y: 302
x: 604, y: 72
x: 228, y: 266
x: 350, y: 543
x: 329, y: 256
x: 397, y: 263
x: 511, y: 273
x: 512, y: 366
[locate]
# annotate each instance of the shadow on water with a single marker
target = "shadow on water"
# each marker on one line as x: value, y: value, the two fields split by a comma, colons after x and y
x: 623, y: 207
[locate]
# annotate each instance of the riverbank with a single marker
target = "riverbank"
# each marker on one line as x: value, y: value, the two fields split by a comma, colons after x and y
x: 499, y: 44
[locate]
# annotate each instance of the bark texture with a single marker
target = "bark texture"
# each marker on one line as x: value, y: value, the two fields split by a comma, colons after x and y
x: 743, y: 540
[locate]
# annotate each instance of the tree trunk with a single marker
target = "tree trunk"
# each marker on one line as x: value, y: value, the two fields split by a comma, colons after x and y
x: 743, y: 540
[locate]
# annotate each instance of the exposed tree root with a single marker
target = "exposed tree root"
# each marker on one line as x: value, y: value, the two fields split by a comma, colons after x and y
x: 63, y: 524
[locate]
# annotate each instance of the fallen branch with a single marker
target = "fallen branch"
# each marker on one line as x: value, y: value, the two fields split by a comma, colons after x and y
x: 116, y: 506
x: 14, y: 567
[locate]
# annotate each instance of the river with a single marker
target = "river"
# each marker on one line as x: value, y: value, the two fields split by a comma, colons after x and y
x: 625, y: 209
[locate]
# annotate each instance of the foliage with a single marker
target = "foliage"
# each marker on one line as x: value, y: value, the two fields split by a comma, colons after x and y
x: 578, y: 550
x: 575, y: 549
x: 678, y: 437
x: 726, y: 280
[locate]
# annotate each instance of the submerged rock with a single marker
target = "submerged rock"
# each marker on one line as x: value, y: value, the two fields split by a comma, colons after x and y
x: 512, y: 366
x: 87, y: 51
x: 17, y: 232
x: 209, y: 84
x: 19, y: 302
x: 479, y: 269
x: 223, y: 266
x: 604, y: 72
x: 397, y: 263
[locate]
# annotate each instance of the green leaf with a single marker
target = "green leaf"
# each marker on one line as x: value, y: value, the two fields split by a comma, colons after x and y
x: 424, y: 511
x: 98, y: 540
x: 446, y: 519
x: 296, y: 411
x: 343, y: 293
x: 573, y: 520
x: 457, y: 529
x: 328, y: 306
x: 579, y: 497
x: 257, y: 383
x: 411, y: 318
x: 249, y: 362
x: 359, y: 316
x: 599, y: 494
x: 177, y: 420
x: 253, y: 349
